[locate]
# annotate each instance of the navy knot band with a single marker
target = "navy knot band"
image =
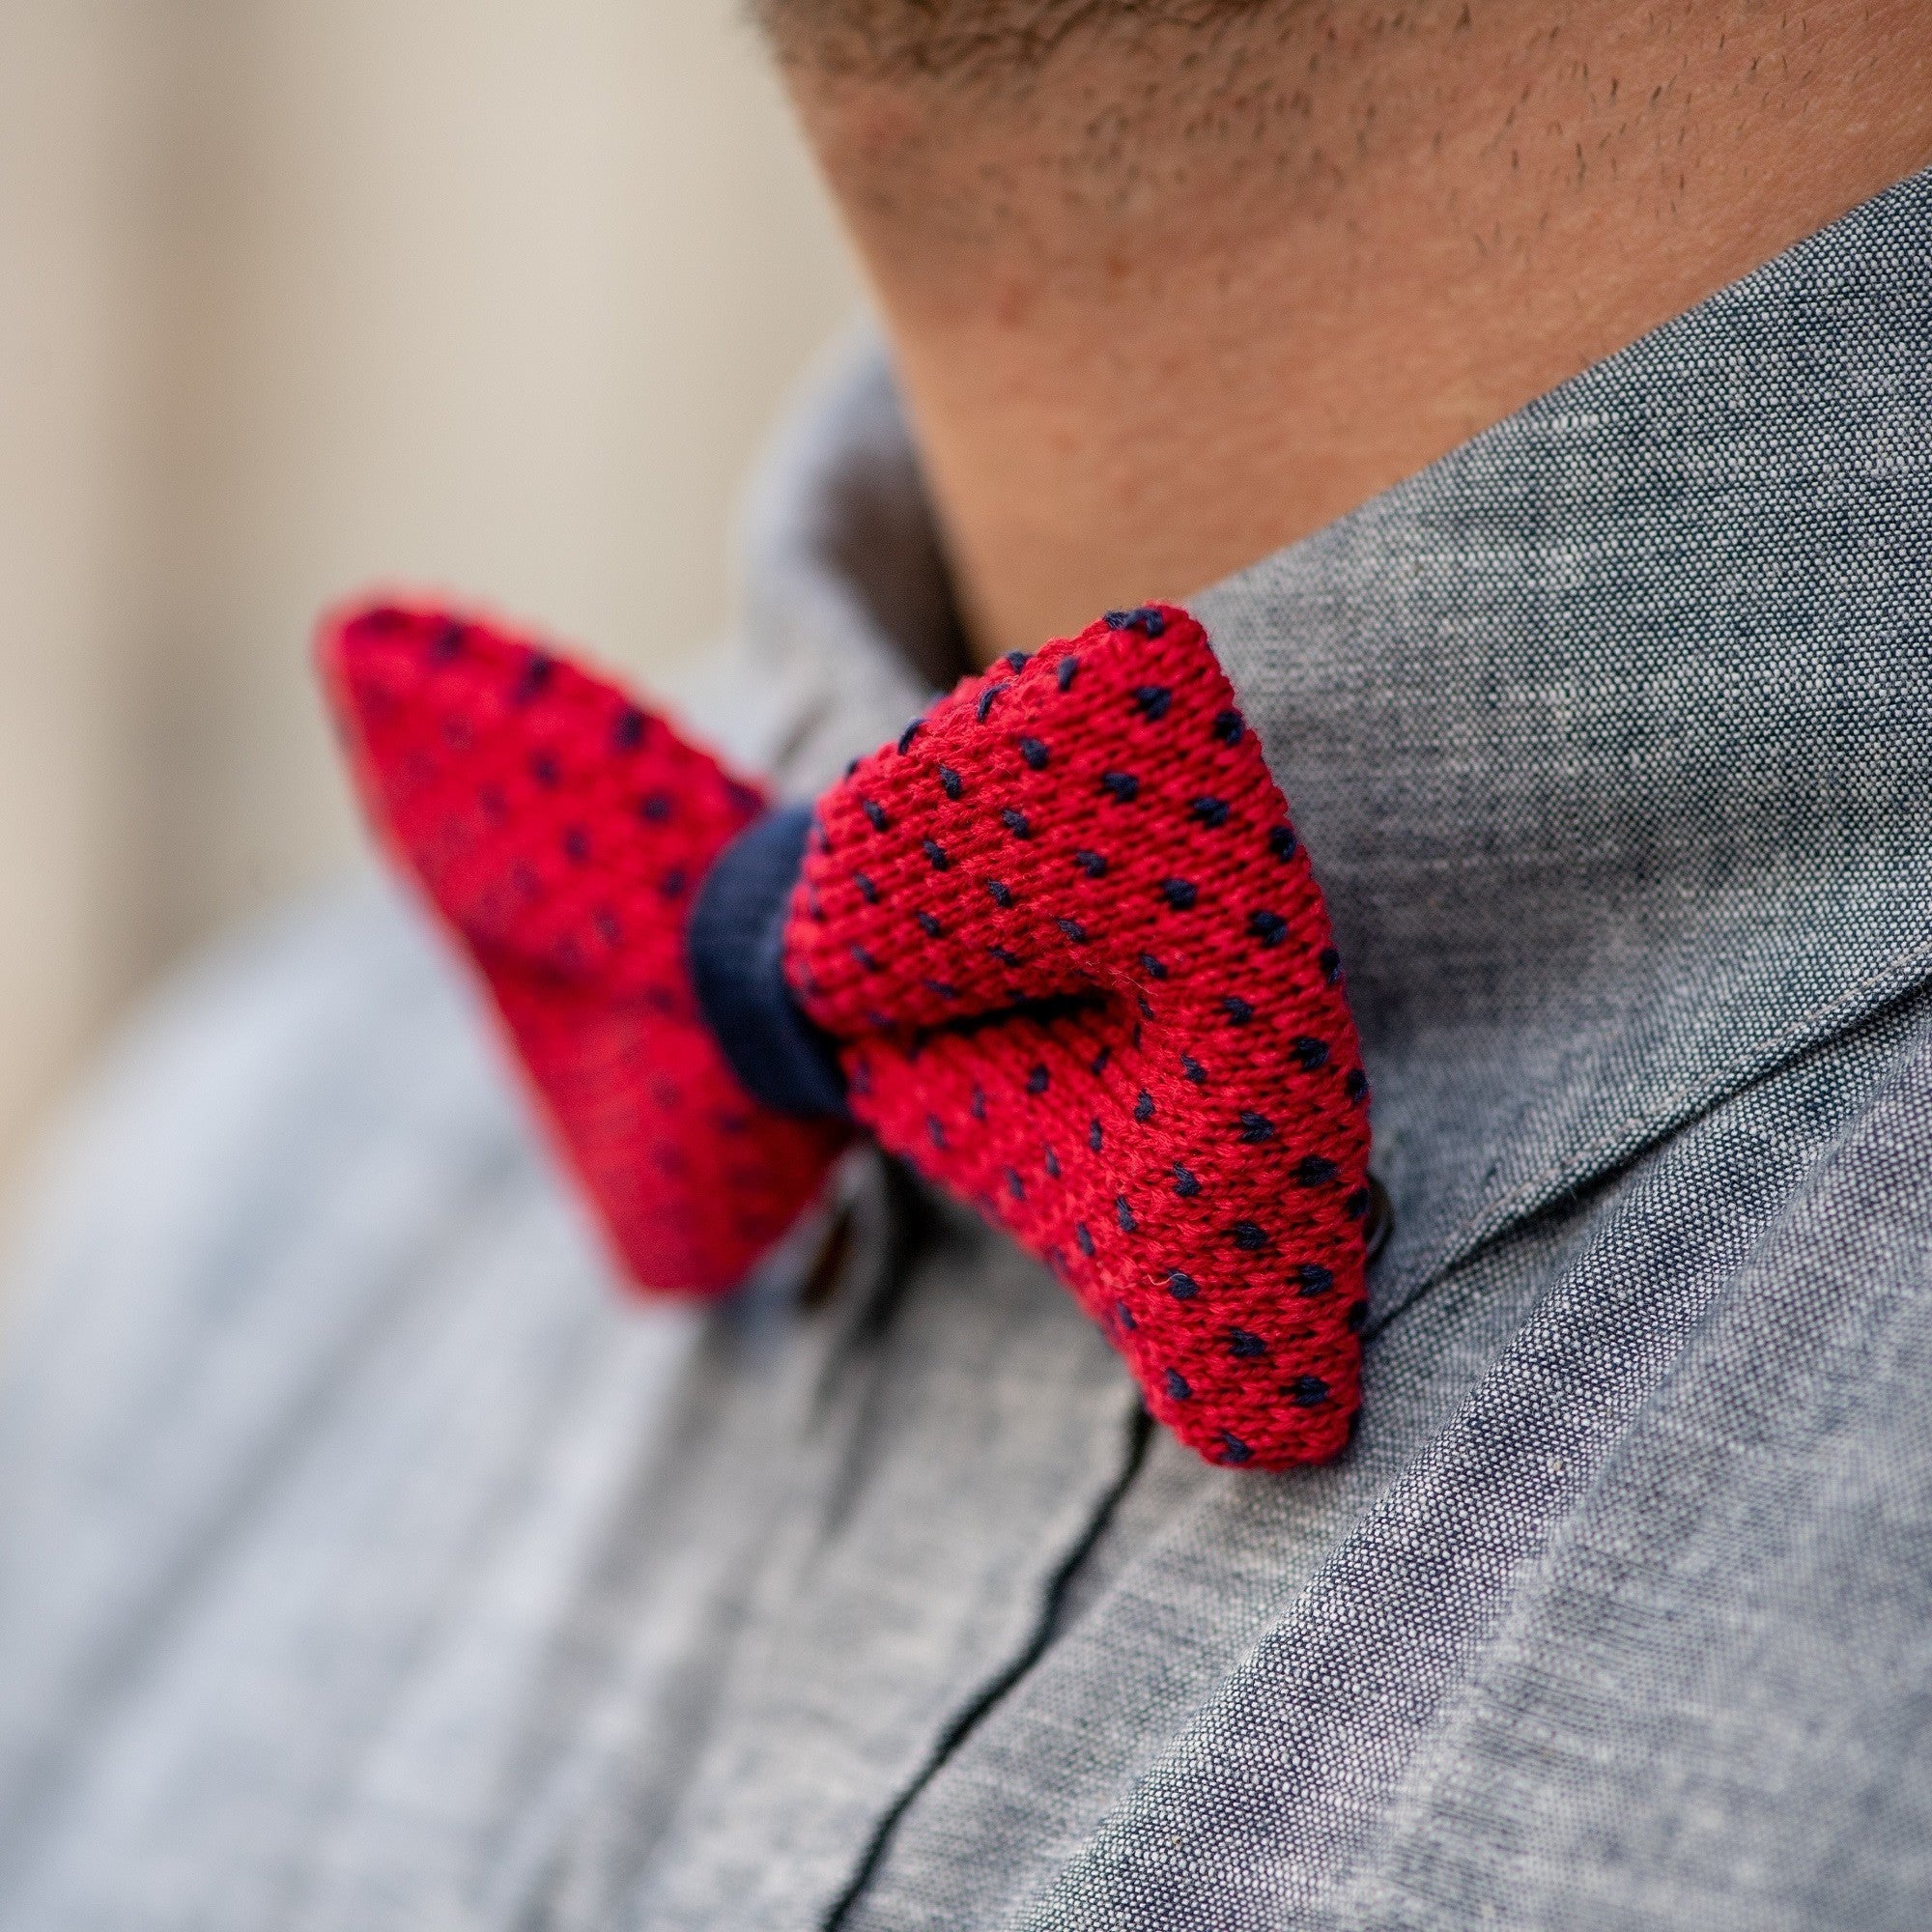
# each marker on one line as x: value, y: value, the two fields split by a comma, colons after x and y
x: 735, y: 941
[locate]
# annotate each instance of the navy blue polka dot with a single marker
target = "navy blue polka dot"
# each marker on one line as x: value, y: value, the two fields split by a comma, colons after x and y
x: 534, y: 680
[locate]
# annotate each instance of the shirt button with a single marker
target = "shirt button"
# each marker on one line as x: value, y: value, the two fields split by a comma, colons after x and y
x: 828, y: 1264
x: 1378, y: 1224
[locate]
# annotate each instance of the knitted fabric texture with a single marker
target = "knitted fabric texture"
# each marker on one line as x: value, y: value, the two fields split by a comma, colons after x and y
x: 561, y: 832
x: 1063, y: 935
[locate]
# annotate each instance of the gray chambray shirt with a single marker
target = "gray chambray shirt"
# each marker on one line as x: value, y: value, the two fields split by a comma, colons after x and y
x: 368, y: 1561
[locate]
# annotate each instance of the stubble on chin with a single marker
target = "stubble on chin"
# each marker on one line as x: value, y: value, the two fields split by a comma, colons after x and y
x: 947, y: 39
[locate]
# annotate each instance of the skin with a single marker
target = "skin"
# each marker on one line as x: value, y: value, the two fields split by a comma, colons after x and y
x: 1169, y: 286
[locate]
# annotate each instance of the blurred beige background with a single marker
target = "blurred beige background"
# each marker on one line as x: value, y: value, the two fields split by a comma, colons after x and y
x: 497, y: 295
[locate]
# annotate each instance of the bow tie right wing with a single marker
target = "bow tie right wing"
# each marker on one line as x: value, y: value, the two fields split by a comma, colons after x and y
x: 1086, y: 980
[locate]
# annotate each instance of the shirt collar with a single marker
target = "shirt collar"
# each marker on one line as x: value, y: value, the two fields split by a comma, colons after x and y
x: 1610, y: 733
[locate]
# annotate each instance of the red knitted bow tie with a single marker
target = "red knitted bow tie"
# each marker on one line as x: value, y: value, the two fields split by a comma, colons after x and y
x: 1060, y: 944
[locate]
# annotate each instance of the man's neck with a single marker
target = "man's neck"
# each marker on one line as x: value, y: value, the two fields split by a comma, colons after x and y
x: 1168, y: 300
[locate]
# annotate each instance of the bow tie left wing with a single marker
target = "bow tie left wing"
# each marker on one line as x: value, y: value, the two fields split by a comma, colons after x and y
x: 561, y: 832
